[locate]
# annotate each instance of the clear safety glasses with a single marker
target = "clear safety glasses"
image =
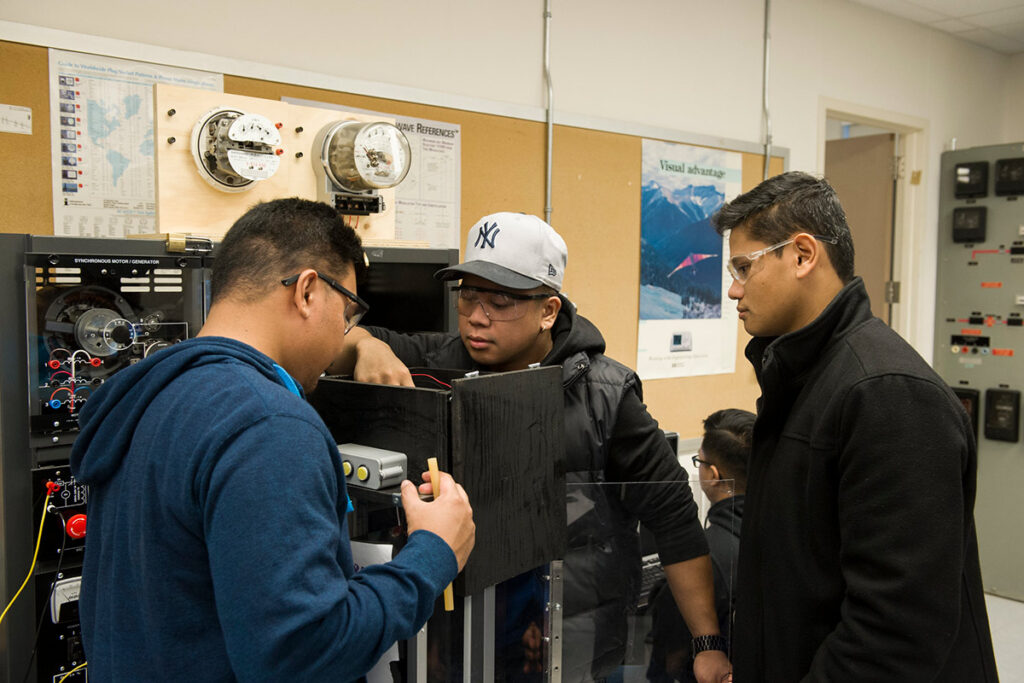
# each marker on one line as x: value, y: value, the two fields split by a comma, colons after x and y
x: 498, y: 305
x: 740, y: 265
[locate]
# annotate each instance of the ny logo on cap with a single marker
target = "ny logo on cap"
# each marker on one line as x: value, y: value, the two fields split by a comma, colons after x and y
x: 485, y: 237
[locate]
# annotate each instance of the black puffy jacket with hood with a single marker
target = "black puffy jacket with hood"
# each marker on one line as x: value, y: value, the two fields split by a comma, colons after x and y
x: 609, y: 437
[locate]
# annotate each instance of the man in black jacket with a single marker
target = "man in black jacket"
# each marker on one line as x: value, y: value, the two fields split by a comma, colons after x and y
x: 859, y: 559
x: 512, y: 315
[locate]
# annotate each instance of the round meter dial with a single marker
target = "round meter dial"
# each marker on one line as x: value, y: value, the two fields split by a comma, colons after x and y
x: 361, y: 156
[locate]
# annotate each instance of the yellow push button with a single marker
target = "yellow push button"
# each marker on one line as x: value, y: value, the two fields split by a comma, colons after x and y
x: 362, y: 473
x: 346, y: 467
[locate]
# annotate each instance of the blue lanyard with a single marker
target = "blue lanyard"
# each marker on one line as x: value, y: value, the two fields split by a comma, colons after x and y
x: 293, y: 387
x: 289, y: 383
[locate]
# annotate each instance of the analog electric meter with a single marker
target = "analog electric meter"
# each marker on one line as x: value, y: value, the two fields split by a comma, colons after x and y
x: 362, y: 156
x: 233, y: 150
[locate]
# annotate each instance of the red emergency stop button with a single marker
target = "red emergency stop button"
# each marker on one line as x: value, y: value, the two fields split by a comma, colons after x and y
x: 75, y: 526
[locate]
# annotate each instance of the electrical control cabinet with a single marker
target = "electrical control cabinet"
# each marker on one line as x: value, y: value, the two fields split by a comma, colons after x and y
x: 76, y: 311
x: 979, y: 336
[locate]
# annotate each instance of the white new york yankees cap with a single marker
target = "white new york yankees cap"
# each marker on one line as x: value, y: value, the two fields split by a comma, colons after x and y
x: 514, y: 250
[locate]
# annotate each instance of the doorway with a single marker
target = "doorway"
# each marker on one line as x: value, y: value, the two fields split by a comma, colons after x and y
x: 913, y: 322
x: 861, y: 163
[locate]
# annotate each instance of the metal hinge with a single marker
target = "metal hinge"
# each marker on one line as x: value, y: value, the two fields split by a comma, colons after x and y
x: 892, y: 292
x: 899, y: 167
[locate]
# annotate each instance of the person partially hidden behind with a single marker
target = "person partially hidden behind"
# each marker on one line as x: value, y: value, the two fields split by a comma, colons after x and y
x: 721, y: 464
x: 217, y: 546
x: 859, y: 559
x: 512, y: 315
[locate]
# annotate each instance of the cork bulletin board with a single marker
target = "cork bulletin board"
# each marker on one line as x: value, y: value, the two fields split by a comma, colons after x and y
x: 595, y: 200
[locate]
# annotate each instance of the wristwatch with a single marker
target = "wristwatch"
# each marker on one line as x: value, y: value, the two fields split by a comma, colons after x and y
x: 704, y: 643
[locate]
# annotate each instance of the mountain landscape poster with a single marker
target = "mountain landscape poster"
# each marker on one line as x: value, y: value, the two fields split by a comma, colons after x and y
x: 687, y: 324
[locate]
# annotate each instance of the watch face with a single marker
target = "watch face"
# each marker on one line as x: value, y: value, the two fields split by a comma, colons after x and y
x: 381, y: 155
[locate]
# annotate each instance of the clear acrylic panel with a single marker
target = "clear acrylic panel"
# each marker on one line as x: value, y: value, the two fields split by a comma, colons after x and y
x: 604, y: 612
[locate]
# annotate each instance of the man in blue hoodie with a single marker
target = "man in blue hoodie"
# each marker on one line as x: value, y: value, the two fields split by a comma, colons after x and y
x: 217, y: 545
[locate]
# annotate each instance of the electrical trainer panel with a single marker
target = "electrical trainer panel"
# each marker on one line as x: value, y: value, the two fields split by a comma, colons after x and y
x: 90, y: 316
x: 78, y: 311
x: 979, y: 334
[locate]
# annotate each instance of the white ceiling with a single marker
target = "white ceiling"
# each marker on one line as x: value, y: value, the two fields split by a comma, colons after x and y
x: 995, y: 24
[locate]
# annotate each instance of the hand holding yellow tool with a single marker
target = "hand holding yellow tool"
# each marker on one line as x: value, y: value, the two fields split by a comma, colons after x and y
x: 435, y: 489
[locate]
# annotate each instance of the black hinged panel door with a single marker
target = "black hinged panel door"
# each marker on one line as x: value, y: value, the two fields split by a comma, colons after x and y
x: 508, y: 453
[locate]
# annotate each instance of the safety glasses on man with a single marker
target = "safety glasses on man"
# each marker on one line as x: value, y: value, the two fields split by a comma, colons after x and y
x: 740, y: 265
x: 498, y: 305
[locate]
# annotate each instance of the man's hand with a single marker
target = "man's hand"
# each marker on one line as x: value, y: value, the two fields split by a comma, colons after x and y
x: 376, y: 363
x: 533, y: 642
x: 449, y: 515
x: 712, y: 666
x: 368, y: 359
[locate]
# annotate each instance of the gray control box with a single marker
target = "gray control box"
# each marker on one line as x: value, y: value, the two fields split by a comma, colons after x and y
x: 372, y: 468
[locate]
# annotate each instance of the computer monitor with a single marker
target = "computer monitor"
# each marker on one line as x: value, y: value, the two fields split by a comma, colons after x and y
x: 402, y: 292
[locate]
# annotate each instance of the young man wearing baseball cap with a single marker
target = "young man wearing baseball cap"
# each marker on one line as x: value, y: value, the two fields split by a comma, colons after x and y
x: 511, y: 315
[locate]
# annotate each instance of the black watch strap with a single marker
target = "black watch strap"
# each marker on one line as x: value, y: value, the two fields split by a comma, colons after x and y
x: 704, y: 643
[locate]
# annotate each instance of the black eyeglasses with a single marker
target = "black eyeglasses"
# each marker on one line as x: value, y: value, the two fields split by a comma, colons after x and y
x: 355, y: 309
x: 498, y: 305
x: 697, y: 462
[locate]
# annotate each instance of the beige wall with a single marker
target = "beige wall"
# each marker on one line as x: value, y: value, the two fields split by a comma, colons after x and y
x: 683, y: 66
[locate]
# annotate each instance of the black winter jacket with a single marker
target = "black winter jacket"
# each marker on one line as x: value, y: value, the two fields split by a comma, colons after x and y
x: 610, y: 437
x: 859, y: 559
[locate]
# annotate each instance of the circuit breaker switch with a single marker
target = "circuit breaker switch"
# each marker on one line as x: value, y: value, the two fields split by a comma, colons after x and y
x: 375, y: 468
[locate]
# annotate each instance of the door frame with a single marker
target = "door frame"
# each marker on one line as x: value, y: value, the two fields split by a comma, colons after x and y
x: 909, y: 226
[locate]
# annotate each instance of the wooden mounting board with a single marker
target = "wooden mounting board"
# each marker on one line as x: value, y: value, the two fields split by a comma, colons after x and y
x: 187, y: 203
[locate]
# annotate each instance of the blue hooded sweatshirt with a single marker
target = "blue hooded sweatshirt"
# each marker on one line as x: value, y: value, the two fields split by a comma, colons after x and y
x: 217, y: 544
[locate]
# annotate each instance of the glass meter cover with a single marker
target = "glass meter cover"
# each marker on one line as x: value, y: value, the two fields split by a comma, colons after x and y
x: 360, y: 156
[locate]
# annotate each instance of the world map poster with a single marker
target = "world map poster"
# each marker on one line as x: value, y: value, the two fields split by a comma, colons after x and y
x: 101, y: 123
x: 687, y: 324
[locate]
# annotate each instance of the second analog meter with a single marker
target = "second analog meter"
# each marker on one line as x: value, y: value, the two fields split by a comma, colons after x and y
x: 359, y: 156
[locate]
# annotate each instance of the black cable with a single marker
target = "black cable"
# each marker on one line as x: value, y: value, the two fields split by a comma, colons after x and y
x: 46, y: 603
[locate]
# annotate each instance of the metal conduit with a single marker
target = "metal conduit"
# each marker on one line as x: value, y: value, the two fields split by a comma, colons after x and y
x: 764, y: 91
x: 550, y: 107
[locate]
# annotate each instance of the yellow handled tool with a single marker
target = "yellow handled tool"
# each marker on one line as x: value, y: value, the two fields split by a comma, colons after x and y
x: 435, y: 486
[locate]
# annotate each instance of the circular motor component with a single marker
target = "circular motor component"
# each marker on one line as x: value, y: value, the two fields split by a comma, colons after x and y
x: 233, y: 150
x: 69, y: 315
x: 360, y: 156
x: 102, y: 332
